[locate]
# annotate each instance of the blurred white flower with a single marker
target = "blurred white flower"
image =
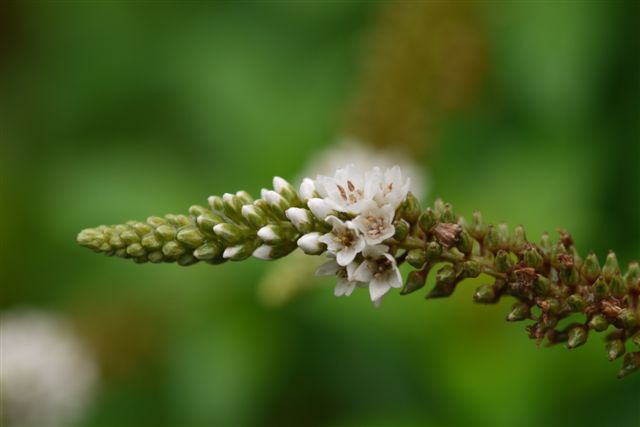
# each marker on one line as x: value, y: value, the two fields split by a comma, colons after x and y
x: 47, y: 377
x: 344, y: 285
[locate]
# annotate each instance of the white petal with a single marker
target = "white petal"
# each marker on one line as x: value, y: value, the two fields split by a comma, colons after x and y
x: 298, y: 216
x: 363, y: 273
x: 344, y: 287
x: 263, y: 193
x: 378, y: 288
x: 263, y: 252
x: 248, y: 210
x: 274, y: 199
x: 307, y: 189
x: 346, y: 256
x: 280, y: 184
x: 319, y: 208
x: 335, y: 222
x: 231, y: 251
x: 351, y: 269
x: 375, y: 251
x: 329, y: 268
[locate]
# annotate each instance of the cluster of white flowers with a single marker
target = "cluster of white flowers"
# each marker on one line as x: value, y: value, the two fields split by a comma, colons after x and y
x: 360, y: 209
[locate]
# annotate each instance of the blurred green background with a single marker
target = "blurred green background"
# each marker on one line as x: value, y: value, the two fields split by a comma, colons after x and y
x: 113, y: 111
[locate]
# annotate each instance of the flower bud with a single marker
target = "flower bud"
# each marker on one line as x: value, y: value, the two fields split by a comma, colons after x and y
x: 255, y: 216
x: 416, y: 258
x: 401, y: 230
x: 636, y: 339
x: 263, y: 252
x: 615, y: 348
x: 519, y: 239
x: 229, y: 233
x: 577, y: 336
x: 631, y: 364
x: 166, y: 232
x: 187, y: 259
x: 567, y: 270
x: 310, y: 244
x: 465, y: 242
x: 197, y: 210
x: 445, y: 283
x: 410, y: 209
x: 533, y: 258
x: 485, y: 294
x: 278, y: 203
x: 156, y: 221
x: 600, y: 288
x: 308, y: 189
x: 503, y: 261
x: 491, y: 241
x: 173, y: 250
x: 542, y: 285
x: 301, y: 219
x: 545, y: 245
x: 207, y: 220
x: 271, y: 234
x: 576, y: 302
x: 478, y: 228
x: 433, y: 251
x: 632, y: 278
x: 231, y: 205
x: 415, y: 280
x: 598, y: 323
x: 216, y: 203
x: 617, y: 286
x: 141, y: 228
x: 504, y: 237
x: 155, y: 257
x: 520, y: 311
x: 207, y: 251
x: 427, y: 220
x: 151, y: 242
x: 448, y: 215
x: 610, y: 266
x: 446, y: 274
x: 470, y: 270
x: 319, y: 208
x: 136, y: 250
x: 447, y: 234
x: 286, y: 190
x: 239, y: 252
x: 628, y: 318
x: 245, y: 198
x: 190, y: 236
x: 591, y: 267
x: 129, y: 237
x: 438, y: 207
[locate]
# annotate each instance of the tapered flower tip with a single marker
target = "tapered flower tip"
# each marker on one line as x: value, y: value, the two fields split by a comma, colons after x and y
x: 631, y: 364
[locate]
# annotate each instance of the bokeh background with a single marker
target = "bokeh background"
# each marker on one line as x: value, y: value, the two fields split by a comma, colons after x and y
x: 112, y: 111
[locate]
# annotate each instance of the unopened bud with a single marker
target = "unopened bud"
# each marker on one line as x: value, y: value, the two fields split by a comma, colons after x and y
x: 465, y: 242
x: 577, y: 336
x: 302, y: 219
x: 519, y: 239
x: 470, y: 269
x: 197, y: 210
x: 402, y: 230
x: 136, y: 250
x: 308, y: 189
x: 631, y: 364
x: 255, y: 216
x: 520, y: 311
x: 504, y: 237
x: 477, y: 228
x: 617, y: 286
x: 319, y: 208
x: 216, y: 203
x: 278, y: 203
x: 628, y: 318
x: 491, y: 240
x: 173, y: 250
x: 591, y: 267
x: 207, y: 251
x: 416, y: 258
x: 415, y: 280
x: 433, y: 250
x: 229, y: 233
x: 545, y: 245
x: 576, y: 302
x: 632, y: 278
x: 245, y: 198
x: 447, y: 214
x: 310, y: 244
x: 598, y: 323
x: 166, y: 232
x: 600, y: 288
x: 610, y: 266
x: 239, y: 252
x: 503, y: 261
x: 286, y: 190
x: 446, y: 274
x: 533, y: 258
x: 615, y: 348
x: 410, y: 208
x: 542, y: 285
x: 151, y: 242
x: 485, y: 294
x: 427, y: 220
x: 190, y: 236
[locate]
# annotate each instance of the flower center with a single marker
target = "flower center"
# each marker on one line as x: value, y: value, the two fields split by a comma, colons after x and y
x: 383, y: 267
x: 351, y: 194
x: 375, y: 225
x: 345, y: 238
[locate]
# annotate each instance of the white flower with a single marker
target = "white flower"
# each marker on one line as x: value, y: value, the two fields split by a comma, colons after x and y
x: 344, y: 286
x: 319, y: 208
x: 390, y: 189
x: 347, y: 191
x: 344, y: 240
x: 380, y: 270
x: 311, y: 243
x: 376, y: 224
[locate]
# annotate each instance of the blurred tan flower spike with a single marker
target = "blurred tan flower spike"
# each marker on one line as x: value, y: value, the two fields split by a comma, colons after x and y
x: 367, y: 223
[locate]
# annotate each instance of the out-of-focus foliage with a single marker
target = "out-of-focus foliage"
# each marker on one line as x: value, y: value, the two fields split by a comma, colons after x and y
x: 113, y: 111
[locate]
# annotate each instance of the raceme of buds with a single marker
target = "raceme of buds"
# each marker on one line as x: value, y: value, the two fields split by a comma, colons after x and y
x: 368, y: 224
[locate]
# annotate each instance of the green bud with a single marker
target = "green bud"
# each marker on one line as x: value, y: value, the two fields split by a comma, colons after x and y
x: 402, y: 230
x: 216, y: 203
x: 485, y: 294
x: 448, y: 215
x: 631, y: 364
x: 116, y: 242
x: 591, y: 267
x: 129, y: 237
x: 136, y: 250
x: 410, y: 208
x: 229, y: 233
x: 207, y: 220
x: 478, y: 228
x: 615, y: 348
x: 446, y: 274
x: 231, y: 205
x: 427, y: 220
x: 520, y: 311
x: 598, y: 323
x: 141, y: 228
x: 545, y: 245
x: 441, y: 290
x: 155, y: 257
x: 470, y: 270
x: 542, y: 285
x: 286, y: 190
x: 636, y: 339
x: 166, y: 232
x: 208, y: 251
x: 550, y: 305
x: 491, y: 239
x: 415, y: 280
x: 187, y: 259
x: 190, y: 236
x: 173, y: 249
x: 254, y: 215
x: 151, y: 242
x: 610, y: 266
x: 178, y: 220
x: 600, y: 288
x: 244, y: 197
x: 533, y: 258
x: 519, y: 239
x: 438, y: 207
x: 433, y: 251
x: 465, y: 243
x: 567, y: 270
x: 416, y: 257
x: 576, y: 302
x: 503, y: 261
x: 241, y: 251
x: 504, y: 237
x: 577, y: 336
x: 197, y: 210
x: 617, y: 286
x: 156, y: 221
x: 628, y: 318
x: 632, y: 278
